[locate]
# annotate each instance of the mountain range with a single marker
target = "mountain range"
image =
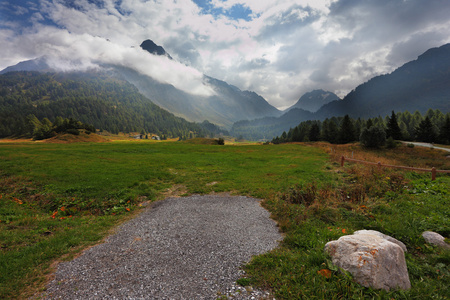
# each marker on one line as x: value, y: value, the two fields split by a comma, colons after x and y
x: 228, y: 104
x: 417, y: 85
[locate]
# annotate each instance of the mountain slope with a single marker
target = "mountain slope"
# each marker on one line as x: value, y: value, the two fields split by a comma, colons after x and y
x: 313, y: 101
x: 417, y: 85
x: 94, y: 98
x: 227, y: 106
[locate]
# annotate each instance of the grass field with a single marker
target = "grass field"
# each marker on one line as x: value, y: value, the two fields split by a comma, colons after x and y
x: 57, y: 199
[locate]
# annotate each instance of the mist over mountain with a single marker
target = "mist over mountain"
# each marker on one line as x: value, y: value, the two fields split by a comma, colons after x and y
x: 313, y: 101
x: 228, y: 105
x: 417, y: 85
x: 38, y: 65
x: 217, y: 102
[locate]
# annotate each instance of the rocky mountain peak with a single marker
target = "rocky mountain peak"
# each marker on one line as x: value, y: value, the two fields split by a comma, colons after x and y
x: 151, y: 47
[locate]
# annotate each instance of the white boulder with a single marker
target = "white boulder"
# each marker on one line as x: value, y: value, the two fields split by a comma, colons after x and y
x: 374, y: 259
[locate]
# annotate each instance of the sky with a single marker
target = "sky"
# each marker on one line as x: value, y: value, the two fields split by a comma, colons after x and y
x: 279, y: 49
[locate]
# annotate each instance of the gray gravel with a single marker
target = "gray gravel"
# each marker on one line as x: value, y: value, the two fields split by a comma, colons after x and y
x: 179, y: 248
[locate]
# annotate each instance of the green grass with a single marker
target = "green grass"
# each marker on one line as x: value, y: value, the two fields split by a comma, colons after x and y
x: 295, y: 270
x: 59, y: 198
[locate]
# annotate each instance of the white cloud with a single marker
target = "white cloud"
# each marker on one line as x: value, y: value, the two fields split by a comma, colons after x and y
x: 289, y: 47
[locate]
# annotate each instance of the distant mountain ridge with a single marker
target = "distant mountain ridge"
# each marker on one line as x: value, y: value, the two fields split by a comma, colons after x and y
x: 314, y: 100
x: 419, y: 85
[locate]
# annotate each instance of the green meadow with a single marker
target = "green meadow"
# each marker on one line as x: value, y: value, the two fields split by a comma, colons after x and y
x: 57, y: 199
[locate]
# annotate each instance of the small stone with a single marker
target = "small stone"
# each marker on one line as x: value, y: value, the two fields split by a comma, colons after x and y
x: 435, y: 239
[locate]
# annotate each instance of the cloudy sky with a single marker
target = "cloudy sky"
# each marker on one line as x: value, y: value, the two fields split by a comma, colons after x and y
x: 277, y: 48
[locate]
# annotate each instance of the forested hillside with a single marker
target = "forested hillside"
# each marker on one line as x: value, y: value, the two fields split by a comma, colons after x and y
x: 433, y: 127
x: 93, y: 98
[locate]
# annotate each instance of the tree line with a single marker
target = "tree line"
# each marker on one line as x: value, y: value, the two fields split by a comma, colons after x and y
x: 105, y: 102
x: 433, y: 127
x: 40, y: 130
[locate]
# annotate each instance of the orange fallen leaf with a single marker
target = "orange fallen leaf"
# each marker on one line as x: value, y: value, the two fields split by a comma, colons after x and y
x: 344, y: 231
x: 63, y: 208
x: 324, y: 273
x: 127, y: 209
x: 17, y: 200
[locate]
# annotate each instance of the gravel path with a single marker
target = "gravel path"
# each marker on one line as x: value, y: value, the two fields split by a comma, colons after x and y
x: 179, y: 248
x: 427, y: 145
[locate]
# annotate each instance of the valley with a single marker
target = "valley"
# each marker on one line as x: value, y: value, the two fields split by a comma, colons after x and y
x: 57, y: 199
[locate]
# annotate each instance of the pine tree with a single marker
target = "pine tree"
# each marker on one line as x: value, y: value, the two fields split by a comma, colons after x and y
x: 329, y: 131
x: 347, y: 131
x: 314, y: 133
x: 444, y: 136
x: 425, y: 132
x: 393, y: 130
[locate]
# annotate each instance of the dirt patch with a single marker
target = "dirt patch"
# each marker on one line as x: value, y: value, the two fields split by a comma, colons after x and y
x: 70, y: 138
x: 175, y: 191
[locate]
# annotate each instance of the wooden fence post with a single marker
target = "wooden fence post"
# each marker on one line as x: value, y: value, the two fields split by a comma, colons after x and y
x: 342, y: 160
x: 433, y: 173
x: 379, y: 165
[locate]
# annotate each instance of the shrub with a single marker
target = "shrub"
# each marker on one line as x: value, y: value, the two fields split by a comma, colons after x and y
x: 373, y: 137
x: 221, y: 141
x: 73, y: 131
x: 391, y: 143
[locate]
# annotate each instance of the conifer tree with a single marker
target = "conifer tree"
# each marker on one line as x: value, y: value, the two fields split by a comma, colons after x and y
x: 444, y: 135
x: 314, y: 132
x: 425, y: 132
x: 393, y: 130
x: 347, y: 131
